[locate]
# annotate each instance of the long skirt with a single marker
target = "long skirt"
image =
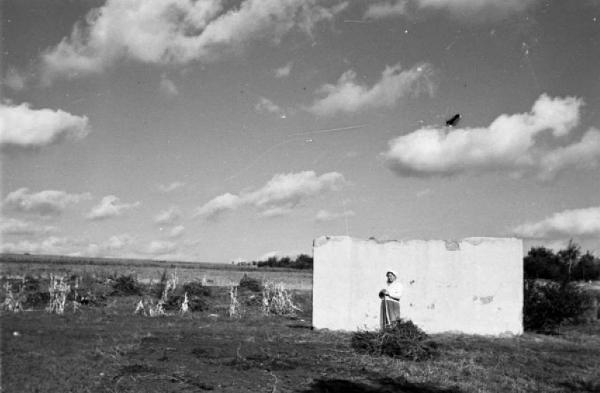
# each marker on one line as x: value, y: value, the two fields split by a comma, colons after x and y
x: 390, y: 312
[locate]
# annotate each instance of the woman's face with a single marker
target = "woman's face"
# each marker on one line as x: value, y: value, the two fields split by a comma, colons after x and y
x: 390, y: 277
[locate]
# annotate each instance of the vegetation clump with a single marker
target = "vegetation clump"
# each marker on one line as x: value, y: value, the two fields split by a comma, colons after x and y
x: 401, y: 340
x: 251, y: 284
x: 126, y: 285
x: 198, y: 296
x: 547, y: 305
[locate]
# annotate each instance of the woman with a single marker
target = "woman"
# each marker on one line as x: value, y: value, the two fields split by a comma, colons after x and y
x: 390, y: 300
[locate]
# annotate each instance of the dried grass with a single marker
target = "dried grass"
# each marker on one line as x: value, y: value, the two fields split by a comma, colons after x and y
x: 401, y: 340
x: 59, y: 290
x: 13, y: 302
x: 276, y: 299
x: 235, y: 308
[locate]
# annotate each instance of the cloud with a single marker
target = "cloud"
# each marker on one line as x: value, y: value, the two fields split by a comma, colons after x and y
x: 176, y: 232
x: 265, y: 105
x: 577, y: 222
x: 110, y: 206
x: 167, y: 188
x: 44, y: 203
x: 386, y: 9
x: 118, y: 245
x: 168, y: 217
x: 22, y: 126
x: 167, y: 87
x: 284, y: 72
x: 52, y: 245
x: 511, y: 143
x: 462, y: 9
x: 161, y: 247
x: 274, y: 212
x: 325, y: 215
x: 15, y: 226
x: 279, y: 196
x: 115, y: 246
x: 15, y: 80
x: 347, y: 95
x: 217, y: 206
x: 176, y: 32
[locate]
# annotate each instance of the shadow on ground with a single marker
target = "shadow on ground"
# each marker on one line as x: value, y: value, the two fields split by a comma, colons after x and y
x: 383, y: 385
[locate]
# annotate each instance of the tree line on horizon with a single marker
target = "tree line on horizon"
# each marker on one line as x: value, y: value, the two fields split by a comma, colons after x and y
x: 301, y: 262
x: 565, y: 265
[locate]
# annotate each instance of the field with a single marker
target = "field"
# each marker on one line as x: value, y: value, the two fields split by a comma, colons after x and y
x: 106, y: 348
x: 16, y: 265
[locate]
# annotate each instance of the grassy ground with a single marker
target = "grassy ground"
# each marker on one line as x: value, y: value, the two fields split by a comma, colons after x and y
x: 108, y: 349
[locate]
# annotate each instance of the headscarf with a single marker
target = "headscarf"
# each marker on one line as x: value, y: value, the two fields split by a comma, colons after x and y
x: 391, y: 271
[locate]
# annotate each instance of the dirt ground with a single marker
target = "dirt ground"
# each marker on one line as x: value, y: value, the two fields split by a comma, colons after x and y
x: 108, y: 349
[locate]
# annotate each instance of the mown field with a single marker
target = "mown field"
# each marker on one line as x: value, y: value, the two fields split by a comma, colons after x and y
x: 104, y: 347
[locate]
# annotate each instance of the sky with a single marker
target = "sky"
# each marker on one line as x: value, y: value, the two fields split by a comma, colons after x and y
x: 222, y: 131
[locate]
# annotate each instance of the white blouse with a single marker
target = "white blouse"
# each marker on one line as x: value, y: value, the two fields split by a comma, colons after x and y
x: 395, y: 289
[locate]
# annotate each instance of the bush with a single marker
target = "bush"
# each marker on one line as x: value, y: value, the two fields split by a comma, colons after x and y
x: 547, y: 305
x: 251, y: 284
x: 401, y: 340
x: 126, y: 285
x: 198, y: 297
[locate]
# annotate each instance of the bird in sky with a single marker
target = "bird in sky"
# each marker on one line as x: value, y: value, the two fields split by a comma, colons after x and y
x: 453, y: 121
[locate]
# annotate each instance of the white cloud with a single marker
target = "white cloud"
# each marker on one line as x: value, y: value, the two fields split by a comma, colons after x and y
x: 325, y: 215
x: 166, y: 188
x: 118, y: 245
x: 511, y: 143
x: 568, y: 223
x: 176, y: 31
x: 276, y: 212
x: 265, y: 105
x: 15, y: 79
x: 216, y: 206
x: 168, y: 217
x: 167, y: 87
x: 160, y: 247
x: 463, y: 9
x: 15, y: 226
x: 347, y: 95
x: 386, y: 9
x: 115, y: 246
x: 110, y: 206
x: 25, y: 127
x: 52, y: 245
x: 283, y: 72
x: 176, y: 231
x: 45, y: 203
x: 279, y: 196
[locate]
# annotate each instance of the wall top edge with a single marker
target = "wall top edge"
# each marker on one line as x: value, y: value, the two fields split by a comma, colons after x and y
x: 450, y: 244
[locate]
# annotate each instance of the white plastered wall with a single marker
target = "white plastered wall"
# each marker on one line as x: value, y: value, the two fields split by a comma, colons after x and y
x: 471, y: 286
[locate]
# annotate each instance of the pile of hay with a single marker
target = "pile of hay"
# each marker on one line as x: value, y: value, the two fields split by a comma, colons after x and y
x: 401, y: 340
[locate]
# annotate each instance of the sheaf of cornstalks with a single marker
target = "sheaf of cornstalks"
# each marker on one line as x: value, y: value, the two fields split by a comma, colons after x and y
x: 276, y: 299
x: 75, y: 302
x: 185, y: 306
x: 148, y: 308
x: 58, y: 289
x: 235, y: 310
x: 13, y: 300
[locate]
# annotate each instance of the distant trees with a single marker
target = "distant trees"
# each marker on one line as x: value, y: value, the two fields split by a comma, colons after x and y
x: 566, y: 265
x: 302, y: 261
